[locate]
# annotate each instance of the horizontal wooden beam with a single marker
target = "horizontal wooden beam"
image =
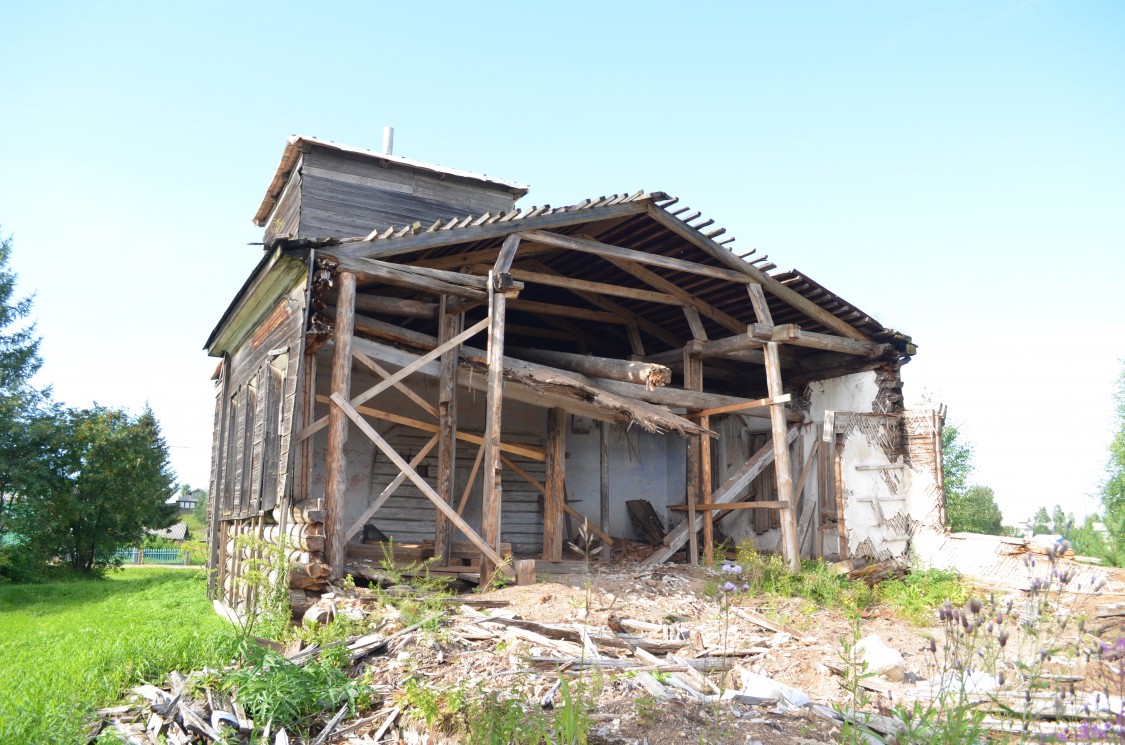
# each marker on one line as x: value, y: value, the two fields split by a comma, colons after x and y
x: 566, y: 311
x: 448, y: 283
x: 793, y: 334
x: 642, y: 373
x: 600, y: 288
x: 653, y: 279
x: 604, y: 249
x: 603, y: 302
x: 690, y: 400
x: 527, y: 451
x: 742, y: 407
x: 395, y: 306
x: 733, y: 506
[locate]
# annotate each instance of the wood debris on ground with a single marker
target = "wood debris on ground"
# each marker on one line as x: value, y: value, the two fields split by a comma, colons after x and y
x: 665, y: 660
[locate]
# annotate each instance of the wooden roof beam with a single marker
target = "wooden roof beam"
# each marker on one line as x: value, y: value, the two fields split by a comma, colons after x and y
x: 776, y: 288
x: 660, y: 283
x: 793, y: 334
x: 640, y: 257
x: 606, y: 304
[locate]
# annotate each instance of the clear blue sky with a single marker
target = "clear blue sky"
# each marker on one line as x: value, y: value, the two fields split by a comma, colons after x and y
x: 955, y: 169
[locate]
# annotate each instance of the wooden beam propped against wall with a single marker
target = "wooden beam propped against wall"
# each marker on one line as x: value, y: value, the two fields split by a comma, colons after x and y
x: 389, y: 490
x: 726, y: 493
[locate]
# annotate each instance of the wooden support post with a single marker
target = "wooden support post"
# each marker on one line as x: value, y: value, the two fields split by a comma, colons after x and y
x: 525, y: 571
x: 705, y: 493
x: 693, y: 381
x: 449, y: 326
x: 556, y: 481
x: 781, y: 463
x: 490, y: 509
x: 603, y: 485
x: 838, y: 473
x: 337, y: 465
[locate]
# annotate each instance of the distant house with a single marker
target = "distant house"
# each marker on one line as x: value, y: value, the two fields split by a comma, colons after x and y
x: 177, y: 532
x: 189, y: 501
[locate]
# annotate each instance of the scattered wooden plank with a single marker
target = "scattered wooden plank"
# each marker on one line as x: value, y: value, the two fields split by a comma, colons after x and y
x: 759, y: 620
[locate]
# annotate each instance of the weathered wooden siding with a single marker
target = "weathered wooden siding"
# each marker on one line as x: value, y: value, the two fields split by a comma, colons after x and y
x: 286, y: 217
x: 408, y: 516
x: 343, y: 195
x: 261, y: 399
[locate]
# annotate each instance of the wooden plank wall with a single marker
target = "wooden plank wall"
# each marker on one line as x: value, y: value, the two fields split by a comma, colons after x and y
x: 262, y: 391
x: 346, y: 196
x: 286, y: 217
x: 250, y: 461
x: 408, y: 517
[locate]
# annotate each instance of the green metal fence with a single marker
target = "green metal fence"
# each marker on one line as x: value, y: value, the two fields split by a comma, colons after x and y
x: 152, y: 555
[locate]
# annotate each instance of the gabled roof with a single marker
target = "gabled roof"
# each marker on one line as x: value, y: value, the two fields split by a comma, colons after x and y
x: 293, y: 149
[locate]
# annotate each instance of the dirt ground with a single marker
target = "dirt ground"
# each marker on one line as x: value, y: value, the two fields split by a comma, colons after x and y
x: 673, y: 598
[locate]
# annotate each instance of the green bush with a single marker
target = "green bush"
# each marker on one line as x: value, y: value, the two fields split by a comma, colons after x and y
x: 919, y: 593
x: 818, y: 581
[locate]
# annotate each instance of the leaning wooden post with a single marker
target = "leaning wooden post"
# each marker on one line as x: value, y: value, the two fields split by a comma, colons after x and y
x: 555, y: 495
x: 498, y: 281
x: 693, y: 380
x: 337, y: 464
x: 449, y: 325
x: 781, y: 463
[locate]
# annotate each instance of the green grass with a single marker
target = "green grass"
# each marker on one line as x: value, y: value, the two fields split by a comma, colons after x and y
x: 914, y: 597
x: 69, y: 648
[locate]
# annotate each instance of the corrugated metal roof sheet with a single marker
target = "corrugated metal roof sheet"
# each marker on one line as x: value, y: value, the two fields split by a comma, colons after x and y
x: 176, y: 533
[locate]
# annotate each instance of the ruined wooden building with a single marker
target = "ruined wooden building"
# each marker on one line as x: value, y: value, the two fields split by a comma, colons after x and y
x: 418, y: 359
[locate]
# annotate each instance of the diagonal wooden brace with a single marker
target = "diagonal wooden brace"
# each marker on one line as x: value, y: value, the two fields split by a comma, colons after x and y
x: 724, y: 494
x: 389, y: 491
x: 489, y: 552
x: 417, y: 364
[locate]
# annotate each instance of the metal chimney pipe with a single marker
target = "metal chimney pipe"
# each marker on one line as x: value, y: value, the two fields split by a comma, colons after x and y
x: 388, y: 140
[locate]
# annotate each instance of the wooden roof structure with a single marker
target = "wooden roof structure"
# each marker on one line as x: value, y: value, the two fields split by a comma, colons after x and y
x: 569, y: 308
